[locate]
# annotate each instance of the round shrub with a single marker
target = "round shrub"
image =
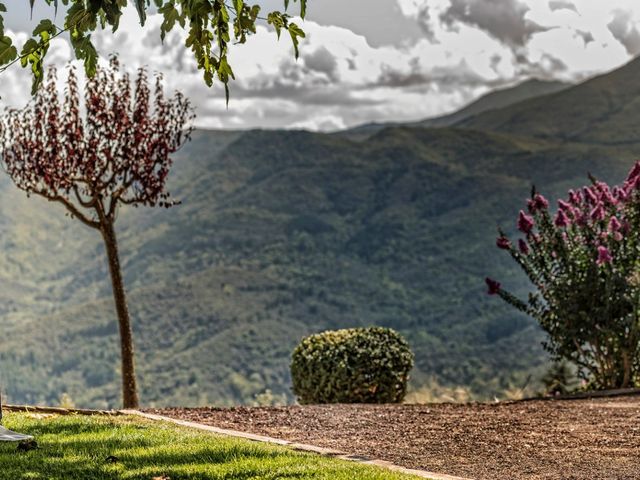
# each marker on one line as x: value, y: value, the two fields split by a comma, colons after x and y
x: 355, y: 365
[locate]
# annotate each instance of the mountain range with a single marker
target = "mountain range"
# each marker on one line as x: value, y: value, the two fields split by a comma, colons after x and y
x: 283, y: 233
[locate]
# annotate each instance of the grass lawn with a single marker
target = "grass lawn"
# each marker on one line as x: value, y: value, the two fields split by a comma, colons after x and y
x: 78, y: 447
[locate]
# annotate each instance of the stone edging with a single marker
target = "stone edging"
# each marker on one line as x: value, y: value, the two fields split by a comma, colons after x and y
x: 296, y: 446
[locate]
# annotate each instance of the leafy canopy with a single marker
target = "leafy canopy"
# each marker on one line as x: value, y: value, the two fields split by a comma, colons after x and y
x: 210, y: 24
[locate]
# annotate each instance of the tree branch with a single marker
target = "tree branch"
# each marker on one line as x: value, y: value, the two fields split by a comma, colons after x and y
x: 71, y: 208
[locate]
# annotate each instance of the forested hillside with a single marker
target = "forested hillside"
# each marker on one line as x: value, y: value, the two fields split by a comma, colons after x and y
x: 280, y: 234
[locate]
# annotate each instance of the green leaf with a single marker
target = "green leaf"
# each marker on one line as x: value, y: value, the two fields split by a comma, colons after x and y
x: 171, y: 16
x: 295, y: 32
x: 8, y: 52
x: 86, y: 52
x: 278, y: 20
x: 141, y: 7
x: 45, y: 26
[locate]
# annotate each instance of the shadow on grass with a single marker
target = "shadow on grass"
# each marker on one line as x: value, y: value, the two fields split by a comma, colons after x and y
x: 74, y: 449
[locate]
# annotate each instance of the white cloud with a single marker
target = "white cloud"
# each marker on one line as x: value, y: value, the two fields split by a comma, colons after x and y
x: 347, y: 75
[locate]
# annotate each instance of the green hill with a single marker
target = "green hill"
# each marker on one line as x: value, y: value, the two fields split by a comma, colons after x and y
x: 496, y: 99
x: 281, y: 234
x: 602, y: 110
x: 491, y: 101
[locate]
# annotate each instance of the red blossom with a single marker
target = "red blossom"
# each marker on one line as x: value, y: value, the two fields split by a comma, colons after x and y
x: 604, y: 256
x: 525, y: 222
x: 523, y: 246
x: 119, y: 153
x: 493, y: 286
x: 503, y: 243
x: 561, y: 219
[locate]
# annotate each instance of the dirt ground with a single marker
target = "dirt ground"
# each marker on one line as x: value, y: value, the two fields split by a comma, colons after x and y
x: 592, y: 439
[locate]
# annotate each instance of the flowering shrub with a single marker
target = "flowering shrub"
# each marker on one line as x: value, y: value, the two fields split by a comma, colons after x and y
x: 584, y: 262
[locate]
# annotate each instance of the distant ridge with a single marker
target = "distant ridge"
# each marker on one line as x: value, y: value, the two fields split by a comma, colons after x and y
x: 493, y: 100
x: 602, y: 110
x: 498, y: 99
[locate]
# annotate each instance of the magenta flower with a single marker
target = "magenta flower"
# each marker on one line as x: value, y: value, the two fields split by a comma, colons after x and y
x: 494, y: 287
x: 603, y: 255
x: 525, y: 223
x: 566, y: 206
x: 523, y: 246
x: 561, y: 219
x: 575, y: 198
x: 614, y: 224
x: 540, y: 201
x: 590, y: 196
x: 634, y: 173
x: 598, y: 212
x: 503, y: 243
x: 620, y: 194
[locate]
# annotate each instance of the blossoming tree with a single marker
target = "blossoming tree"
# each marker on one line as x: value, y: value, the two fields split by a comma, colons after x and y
x: 119, y: 154
x: 584, y: 262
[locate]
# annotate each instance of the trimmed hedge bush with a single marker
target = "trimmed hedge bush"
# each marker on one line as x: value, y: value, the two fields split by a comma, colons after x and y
x: 355, y: 365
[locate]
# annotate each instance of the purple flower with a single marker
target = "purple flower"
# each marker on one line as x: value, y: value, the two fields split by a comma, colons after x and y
x: 603, y: 255
x: 566, y: 206
x: 503, y: 243
x: 634, y: 173
x: 590, y: 196
x: 494, y: 287
x: 598, y: 212
x: 523, y: 246
x: 575, y: 197
x: 525, y: 222
x: 538, y: 202
x: 614, y: 224
x: 620, y: 194
x: 561, y: 219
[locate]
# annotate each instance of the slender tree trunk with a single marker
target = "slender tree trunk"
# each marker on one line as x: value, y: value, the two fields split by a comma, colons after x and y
x: 129, y: 386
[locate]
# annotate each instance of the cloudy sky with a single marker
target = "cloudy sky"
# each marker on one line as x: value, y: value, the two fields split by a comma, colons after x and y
x: 372, y: 60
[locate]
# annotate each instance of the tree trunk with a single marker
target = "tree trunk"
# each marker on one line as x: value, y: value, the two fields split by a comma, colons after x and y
x: 129, y: 387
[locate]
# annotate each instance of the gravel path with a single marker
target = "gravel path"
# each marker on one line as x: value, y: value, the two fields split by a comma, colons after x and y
x: 594, y: 439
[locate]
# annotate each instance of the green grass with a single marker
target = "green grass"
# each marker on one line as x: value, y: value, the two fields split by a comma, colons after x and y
x: 77, y: 447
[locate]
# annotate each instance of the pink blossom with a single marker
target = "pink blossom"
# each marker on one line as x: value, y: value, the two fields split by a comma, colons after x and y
x: 561, y: 219
x: 598, y: 212
x: 620, y: 194
x: 575, y: 197
x: 614, y: 224
x: 525, y: 222
x: 603, y: 255
x: 635, y: 172
x: 566, y: 206
x: 538, y: 202
x: 503, y: 243
x: 608, y: 198
x: 590, y: 196
x: 523, y: 246
x: 494, y: 287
